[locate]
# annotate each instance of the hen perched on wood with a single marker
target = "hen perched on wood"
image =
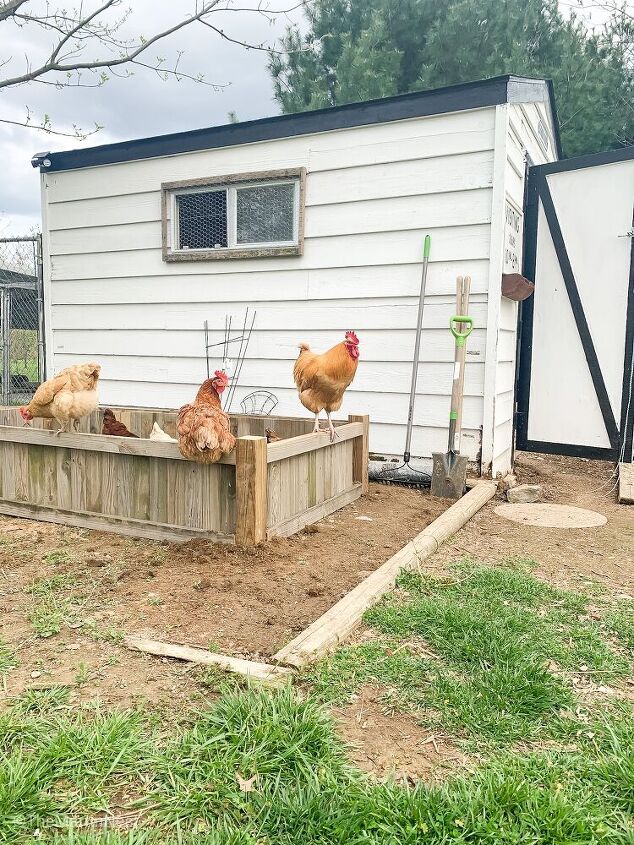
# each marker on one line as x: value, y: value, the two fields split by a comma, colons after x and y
x: 323, y: 379
x: 204, y: 431
x: 113, y: 426
x: 67, y: 397
x: 159, y: 435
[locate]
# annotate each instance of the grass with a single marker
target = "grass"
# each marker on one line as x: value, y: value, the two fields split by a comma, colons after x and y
x: 499, y: 649
x: 620, y: 622
x: 488, y: 655
x: 8, y: 660
x: 51, y: 608
x: 62, y: 768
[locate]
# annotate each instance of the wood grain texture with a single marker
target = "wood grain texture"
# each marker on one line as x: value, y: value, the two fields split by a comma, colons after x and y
x: 331, y: 628
x: 144, y: 488
x: 626, y: 484
x: 307, y: 517
x: 99, y: 522
x: 251, y: 492
x: 360, y: 454
x: 254, y: 671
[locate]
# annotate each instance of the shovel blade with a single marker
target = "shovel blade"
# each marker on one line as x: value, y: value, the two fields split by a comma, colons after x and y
x: 449, y: 475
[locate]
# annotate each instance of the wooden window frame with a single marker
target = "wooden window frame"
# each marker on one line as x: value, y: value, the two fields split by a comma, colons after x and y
x: 170, y: 190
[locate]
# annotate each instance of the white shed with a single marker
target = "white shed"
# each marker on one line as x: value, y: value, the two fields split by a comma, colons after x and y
x: 317, y: 221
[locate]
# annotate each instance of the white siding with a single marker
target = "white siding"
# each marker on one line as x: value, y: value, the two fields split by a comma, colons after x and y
x: 521, y: 140
x: 372, y: 194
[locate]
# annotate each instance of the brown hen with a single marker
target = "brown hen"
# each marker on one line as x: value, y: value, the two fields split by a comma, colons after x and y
x: 204, y: 430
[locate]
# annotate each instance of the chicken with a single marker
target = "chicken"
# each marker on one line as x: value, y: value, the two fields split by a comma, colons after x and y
x: 113, y: 426
x: 323, y: 379
x: 66, y: 398
x: 158, y: 434
x: 204, y: 431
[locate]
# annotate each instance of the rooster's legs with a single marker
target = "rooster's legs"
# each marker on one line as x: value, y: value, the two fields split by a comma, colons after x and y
x: 332, y: 430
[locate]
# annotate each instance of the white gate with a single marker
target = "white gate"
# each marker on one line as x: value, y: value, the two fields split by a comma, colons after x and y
x: 577, y: 331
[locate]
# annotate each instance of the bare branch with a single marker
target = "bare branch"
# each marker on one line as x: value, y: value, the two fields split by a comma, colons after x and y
x: 45, y: 126
x: 9, y: 8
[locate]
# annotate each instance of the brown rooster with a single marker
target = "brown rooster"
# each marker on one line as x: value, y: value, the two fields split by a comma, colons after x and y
x: 204, y: 431
x: 113, y: 426
x: 323, y: 379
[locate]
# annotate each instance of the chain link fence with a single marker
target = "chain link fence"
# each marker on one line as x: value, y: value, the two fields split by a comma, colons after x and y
x: 21, y: 319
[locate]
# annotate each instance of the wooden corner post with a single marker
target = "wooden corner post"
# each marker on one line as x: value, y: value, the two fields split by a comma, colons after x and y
x: 361, y: 452
x: 251, y: 491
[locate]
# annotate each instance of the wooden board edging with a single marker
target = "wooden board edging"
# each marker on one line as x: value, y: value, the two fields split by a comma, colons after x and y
x: 330, y: 629
x: 295, y: 523
x: 310, y: 442
x: 98, y: 443
x: 111, y: 524
x: 254, y: 671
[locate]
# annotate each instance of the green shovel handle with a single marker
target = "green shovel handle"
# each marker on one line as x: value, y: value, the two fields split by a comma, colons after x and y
x: 426, y: 246
x: 461, y: 336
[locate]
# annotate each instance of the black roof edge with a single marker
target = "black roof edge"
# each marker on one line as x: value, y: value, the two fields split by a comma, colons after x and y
x: 589, y: 160
x: 553, y: 109
x: 467, y: 95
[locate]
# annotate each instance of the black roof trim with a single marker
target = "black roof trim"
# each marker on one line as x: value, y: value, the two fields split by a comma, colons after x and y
x: 590, y: 160
x: 470, y: 95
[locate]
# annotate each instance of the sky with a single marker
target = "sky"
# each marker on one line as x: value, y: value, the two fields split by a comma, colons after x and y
x: 136, y: 107
x: 142, y: 105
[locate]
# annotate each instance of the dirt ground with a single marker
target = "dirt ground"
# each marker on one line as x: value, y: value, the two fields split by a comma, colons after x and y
x: 249, y: 603
x: 388, y: 743
x: 242, y: 602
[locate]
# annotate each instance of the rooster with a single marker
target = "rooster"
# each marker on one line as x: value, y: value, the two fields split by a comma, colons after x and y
x: 113, y: 426
x: 323, y: 379
x: 66, y: 398
x: 204, y: 431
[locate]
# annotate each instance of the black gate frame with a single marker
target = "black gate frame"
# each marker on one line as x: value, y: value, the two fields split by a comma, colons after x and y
x: 621, y: 435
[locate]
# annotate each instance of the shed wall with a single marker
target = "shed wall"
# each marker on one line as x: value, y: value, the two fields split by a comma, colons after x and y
x: 523, y: 146
x: 372, y: 194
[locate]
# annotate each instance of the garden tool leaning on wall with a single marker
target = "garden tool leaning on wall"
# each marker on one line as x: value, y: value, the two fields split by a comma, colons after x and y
x: 449, y: 473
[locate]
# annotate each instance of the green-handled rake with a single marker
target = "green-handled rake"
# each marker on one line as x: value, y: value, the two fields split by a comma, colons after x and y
x: 404, y: 474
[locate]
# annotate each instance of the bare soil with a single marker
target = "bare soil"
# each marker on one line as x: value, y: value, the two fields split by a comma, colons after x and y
x: 389, y: 744
x: 245, y: 602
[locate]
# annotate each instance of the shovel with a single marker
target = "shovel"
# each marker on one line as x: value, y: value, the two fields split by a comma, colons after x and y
x: 449, y: 475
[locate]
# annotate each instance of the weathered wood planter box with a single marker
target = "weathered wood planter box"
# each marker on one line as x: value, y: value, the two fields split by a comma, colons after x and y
x: 144, y: 488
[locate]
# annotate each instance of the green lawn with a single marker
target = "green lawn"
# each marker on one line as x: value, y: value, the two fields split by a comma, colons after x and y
x: 489, y: 654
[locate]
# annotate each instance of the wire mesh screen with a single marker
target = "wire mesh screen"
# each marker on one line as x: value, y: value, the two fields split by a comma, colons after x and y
x: 265, y: 214
x: 238, y: 215
x: 21, y: 319
x: 202, y: 220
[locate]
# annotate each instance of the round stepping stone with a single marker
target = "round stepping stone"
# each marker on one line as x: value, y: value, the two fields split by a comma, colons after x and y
x: 551, y: 516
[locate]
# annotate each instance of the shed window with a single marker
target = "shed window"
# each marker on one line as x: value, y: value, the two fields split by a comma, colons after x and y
x: 237, y: 217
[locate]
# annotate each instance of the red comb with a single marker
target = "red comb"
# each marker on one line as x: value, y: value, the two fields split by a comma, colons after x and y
x: 221, y: 375
x: 350, y: 335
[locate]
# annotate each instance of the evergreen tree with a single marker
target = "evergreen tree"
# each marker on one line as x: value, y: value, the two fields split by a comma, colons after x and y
x: 360, y: 49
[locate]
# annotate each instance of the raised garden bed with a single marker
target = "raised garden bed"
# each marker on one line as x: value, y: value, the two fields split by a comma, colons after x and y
x: 144, y: 488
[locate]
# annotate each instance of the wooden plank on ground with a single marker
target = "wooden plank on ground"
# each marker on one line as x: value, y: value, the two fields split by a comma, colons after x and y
x: 626, y: 484
x: 255, y: 671
x: 331, y: 628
